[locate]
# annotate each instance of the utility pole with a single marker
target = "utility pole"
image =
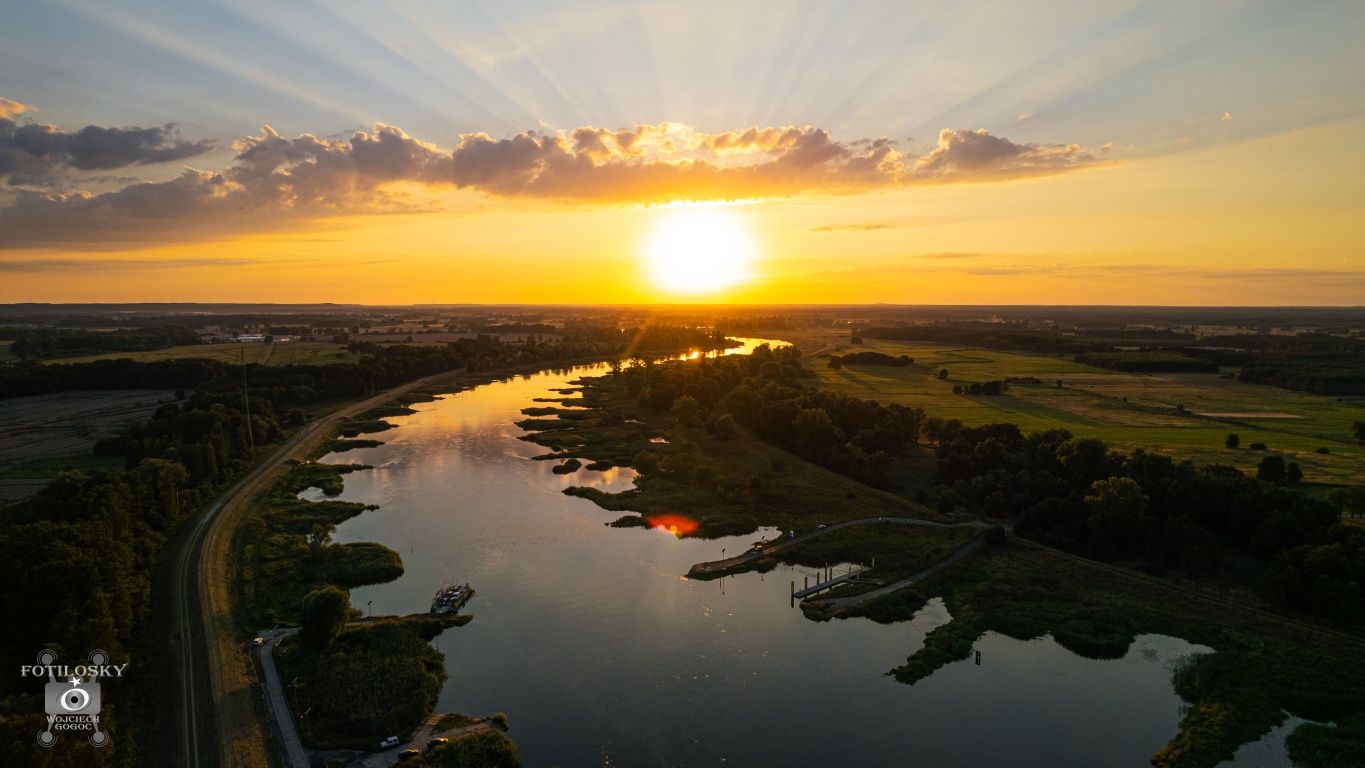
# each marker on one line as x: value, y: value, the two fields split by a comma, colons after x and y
x: 246, y: 405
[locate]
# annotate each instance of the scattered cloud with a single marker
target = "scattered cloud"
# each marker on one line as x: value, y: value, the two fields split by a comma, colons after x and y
x: 1227, y: 117
x: 1023, y: 117
x: 274, y: 180
x: 853, y: 227
x: 37, y: 154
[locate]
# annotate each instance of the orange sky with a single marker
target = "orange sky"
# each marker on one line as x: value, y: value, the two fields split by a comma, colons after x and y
x: 1250, y: 222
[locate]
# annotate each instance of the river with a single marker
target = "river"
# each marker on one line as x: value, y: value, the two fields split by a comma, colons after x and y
x: 602, y: 654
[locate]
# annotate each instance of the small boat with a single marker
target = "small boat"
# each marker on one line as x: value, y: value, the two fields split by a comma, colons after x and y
x: 448, y: 599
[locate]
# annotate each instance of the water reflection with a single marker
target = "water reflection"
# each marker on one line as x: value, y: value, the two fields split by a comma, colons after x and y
x: 602, y: 654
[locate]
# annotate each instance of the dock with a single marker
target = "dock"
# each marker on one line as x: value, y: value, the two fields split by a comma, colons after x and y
x: 851, y: 577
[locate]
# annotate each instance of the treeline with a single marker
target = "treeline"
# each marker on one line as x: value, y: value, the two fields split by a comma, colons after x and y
x: 1077, y: 495
x: 1310, y: 362
x: 991, y: 388
x: 379, y: 366
x: 47, y: 343
x: 870, y: 358
x: 1010, y: 337
x: 763, y: 391
x: 1326, y: 365
x: 78, y: 557
x: 1147, y: 361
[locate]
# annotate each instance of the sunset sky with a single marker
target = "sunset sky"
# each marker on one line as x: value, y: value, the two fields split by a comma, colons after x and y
x: 513, y: 151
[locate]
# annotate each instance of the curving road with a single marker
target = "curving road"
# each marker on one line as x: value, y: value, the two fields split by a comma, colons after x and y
x: 218, y: 702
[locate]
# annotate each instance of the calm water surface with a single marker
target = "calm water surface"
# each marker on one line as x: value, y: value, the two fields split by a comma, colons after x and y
x: 603, y: 655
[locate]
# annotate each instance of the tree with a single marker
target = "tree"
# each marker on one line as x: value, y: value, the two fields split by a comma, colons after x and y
x: 1271, y: 469
x: 1351, y: 501
x: 1233, y: 441
x: 1358, y: 429
x: 325, y: 611
x: 943, y: 374
x: 685, y: 409
x: 725, y: 426
x: 318, y: 540
x: 645, y: 462
x: 1293, y: 473
x: 1117, y: 516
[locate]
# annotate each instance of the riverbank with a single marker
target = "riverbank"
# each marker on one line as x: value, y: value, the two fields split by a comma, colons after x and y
x: 228, y: 693
x: 688, y: 471
x: 231, y: 693
x: 1258, y: 674
x: 721, y: 484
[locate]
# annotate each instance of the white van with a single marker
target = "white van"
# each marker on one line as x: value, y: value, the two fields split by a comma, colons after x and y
x: 389, y: 743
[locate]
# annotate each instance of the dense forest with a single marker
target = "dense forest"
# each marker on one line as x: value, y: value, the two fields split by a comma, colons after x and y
x: 45, y: 343
x: 1071, y: 493
x: 1144, y: 508
x: 763, y: 392
x: 86, y: 547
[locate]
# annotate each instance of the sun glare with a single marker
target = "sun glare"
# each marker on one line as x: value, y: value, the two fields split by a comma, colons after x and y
x: 698, y: 249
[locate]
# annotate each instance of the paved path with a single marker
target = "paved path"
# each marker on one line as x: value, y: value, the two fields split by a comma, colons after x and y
x: 420, y: 737
x: 720, y: 566
x: 219, y: 725
x: 291, y: 748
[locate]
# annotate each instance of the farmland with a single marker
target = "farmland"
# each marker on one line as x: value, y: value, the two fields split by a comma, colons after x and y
x: 1185, y: 415
x: 283, y: 353
x: 44, y: 434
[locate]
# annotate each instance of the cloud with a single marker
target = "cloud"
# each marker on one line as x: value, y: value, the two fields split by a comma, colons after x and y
x: 979, y: 156
x: 36, y: 154
x: 1023, y: 117
x: 10, y: 109
x: 852, y: 227
x: 669, y: 162
x: 1227, y: 117
x: 57, y: 265
x: 950, y: 255
x: 275, y: 181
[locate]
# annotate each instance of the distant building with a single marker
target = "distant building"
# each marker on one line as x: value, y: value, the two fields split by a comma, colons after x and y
x: 249, y: 338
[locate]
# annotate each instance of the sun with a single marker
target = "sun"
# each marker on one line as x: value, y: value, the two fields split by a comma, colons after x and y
x: 699, y: 249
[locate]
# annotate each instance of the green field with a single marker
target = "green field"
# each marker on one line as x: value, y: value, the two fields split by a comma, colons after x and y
x: 1125, y: 410
x: 284, y: 353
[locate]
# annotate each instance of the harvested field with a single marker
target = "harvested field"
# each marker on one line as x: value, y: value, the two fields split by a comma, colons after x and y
x: 44, y: 434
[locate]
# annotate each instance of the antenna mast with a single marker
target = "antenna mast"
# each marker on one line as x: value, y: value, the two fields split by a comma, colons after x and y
x: 246, y: 404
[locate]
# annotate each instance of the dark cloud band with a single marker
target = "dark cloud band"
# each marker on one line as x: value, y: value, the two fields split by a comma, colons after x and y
x: 37, y: 154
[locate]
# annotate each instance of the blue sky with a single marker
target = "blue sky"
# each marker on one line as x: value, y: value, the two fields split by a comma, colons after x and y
x: 1155, y: 76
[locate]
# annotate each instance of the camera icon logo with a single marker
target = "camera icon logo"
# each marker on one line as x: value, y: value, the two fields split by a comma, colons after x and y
x: 76, y: 697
